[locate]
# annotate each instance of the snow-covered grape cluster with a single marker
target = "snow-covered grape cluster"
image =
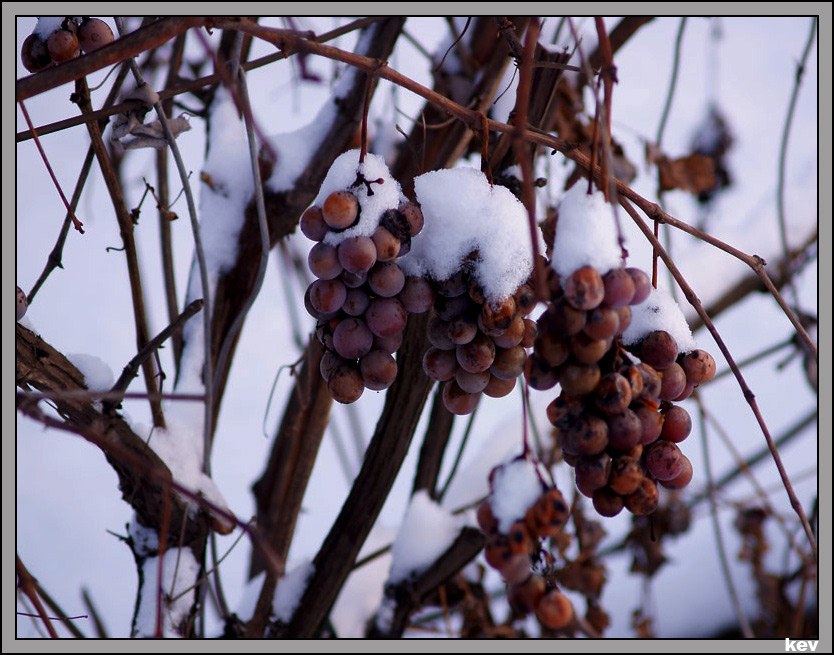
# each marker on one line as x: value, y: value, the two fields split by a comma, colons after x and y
x: 520, y: 511
x: 615, y: 420
x: 476, y: 345
x: 56, y: 40
x: 361, y: 297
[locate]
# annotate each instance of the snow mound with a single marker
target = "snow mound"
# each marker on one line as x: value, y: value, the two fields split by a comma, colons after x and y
x: 659, y: 312
x: 426, y: 533
x: 464, y: 213
x: 586, y: 233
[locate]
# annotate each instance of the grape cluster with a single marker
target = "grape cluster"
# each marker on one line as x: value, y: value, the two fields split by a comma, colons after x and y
x: 513, y: 552
x: 477, y: 345
x: 615, y: 421
x: 74, y: 36
x: 361, y: 297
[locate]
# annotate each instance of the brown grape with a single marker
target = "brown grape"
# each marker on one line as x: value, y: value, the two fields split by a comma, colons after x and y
x: 440, y: 365
x: 625, y: 430
x: 552, y: 349
x: 613, y: 394
x: 352, y: 339
x: 555, y: 611
x: 453, y: 286
x: 462, y: 329
x: 624, y: 318
x: 652, y: 424
x: 486, y: 518
x: 499, y: 315
x: 525, y: 299
x: 378, y: 369
x: 345, y: 384
x: 584, y: 288
x: 356, y: 302
x: 602, y: 323
x: 564, y: 409
x: 513, y: 335
x: 619, y: 288
x: 658, y: 349
x: 477, y: 355
x: 642, y: 285
x: 699, y: 366
x: 353, y: 280
x: 327, y: 296
x: 414, y: 215
x: 385, y: 316
x: 643, y: 501
x: 681, y: 480
x: 312, y: 224
x: 608, y: 502
x: 472, y: 382
x: 520, y: 539
x: 579, y: 379
x: 592, y: 472
x: 387, y: 245
x: 357, y: 254
x: 626, y: 475
x: 457, y: 400
x: 390, y: 344
x: 417, y: 295
x: 672, y: 382
x: 587, y: 350
x: 498, y: 388
x: 539, y: 374
x: 561, y: 319
x: 94, y: 33
x: 516, y: 569
x: 330, y: 361
x: 386, y: 279
x: 34, y: 54
x: 651, y: 382
x: 323, y: 261
x: 508, y: 363
x: 548, y: 514
x: 340, y: 209
x: 664, y: 460
x: 63, y: 46
x: 531, y: 331
x: 497, y: 551
x: 588, y: 435
x: 438, y: 333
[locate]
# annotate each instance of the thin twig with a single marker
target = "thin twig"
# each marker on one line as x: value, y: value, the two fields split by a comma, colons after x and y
x: 78, y: 225
x: 129, y: 372
x: 672, y: 83
x: 101, y: 631
x: 783, y: 150
x: 27, y: 584
x: 61, y: 614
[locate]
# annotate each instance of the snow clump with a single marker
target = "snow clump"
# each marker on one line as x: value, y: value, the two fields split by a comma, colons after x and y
x: 463, y: 213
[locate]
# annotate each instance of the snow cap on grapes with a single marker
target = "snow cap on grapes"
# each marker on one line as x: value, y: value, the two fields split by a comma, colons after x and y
x: 659, y: 312
x: 586, y: 233
x: 375, y: 198
x: 515, y: 488
x: 464, y: 213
